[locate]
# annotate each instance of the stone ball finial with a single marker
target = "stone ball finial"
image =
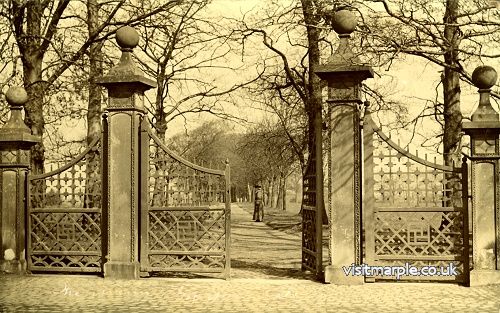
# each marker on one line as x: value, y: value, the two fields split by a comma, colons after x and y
x: 344, y: 22
x: 484, y: 77
x: 16, y: 96
x: 127, y: 37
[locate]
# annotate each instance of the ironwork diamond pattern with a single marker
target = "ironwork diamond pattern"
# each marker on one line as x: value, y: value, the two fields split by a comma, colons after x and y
x: 392, y: 233
x: 186, y: 214
x: 82, y: 231
x: 65, y: 216
x: 168, y: 232
x: 418, y: 209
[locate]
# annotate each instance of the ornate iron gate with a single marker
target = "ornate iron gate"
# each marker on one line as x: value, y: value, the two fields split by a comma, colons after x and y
x: 185, y: 212
x: 312, y: 230
x: 64, y: 216
x: 416, y: 211
x: 311, y: 246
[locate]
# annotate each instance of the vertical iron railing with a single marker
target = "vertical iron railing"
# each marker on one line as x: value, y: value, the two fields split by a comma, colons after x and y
x: 144, y: 194
x: 227, y: 200
x: 368, y: 204
x: 465, y: 214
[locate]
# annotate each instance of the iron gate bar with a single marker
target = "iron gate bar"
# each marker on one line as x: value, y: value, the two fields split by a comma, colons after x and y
x: 178, y: 158
x: 420, y: 257
x: 161, y: 252
x: 371, y: 123
x: 65, y: 210
x: 59, y: 253
x: 417, y: 209
x: 184, y: 208
x: 465, y: 208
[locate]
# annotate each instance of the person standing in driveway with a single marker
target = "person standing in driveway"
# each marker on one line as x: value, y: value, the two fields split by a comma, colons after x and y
x: 258, y: 210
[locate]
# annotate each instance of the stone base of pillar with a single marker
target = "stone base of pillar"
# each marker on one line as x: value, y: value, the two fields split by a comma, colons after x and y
x: 13, y: 267
x: 337, y: 276
x: 484, y: 277
x: 121, y: 270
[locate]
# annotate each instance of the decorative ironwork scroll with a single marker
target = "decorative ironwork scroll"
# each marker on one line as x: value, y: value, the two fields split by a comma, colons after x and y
x: 420, y: 212
x: 185, y: 215
x: 64, y: 216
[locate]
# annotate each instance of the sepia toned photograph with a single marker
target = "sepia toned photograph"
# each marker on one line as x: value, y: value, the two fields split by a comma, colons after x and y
x: 250, y: 156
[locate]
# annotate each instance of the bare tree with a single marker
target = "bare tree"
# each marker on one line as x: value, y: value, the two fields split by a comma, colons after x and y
x: 269, y: 158
x: 450, y: 33
x: 45, y: 33
x: 290, y: 24
x: 185, y: 50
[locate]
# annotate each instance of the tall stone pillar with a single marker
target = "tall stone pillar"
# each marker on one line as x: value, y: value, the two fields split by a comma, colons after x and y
x: 15, y: 143
x: 484, y: 130
x: 126, y: 85
x: 344, y: 73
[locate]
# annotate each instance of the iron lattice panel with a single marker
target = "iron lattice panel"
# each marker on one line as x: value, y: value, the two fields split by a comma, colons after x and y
x: 187, y: 239
x: 309, y: 233
x: 77, y: 186
x: 419, y: 215
x: 311, y: 247
x: 64, y: 227
x: 173, y: 184
x: 401, y: 181
x: 186, y: 214
x: 419, y: 234
x: 65, y: 241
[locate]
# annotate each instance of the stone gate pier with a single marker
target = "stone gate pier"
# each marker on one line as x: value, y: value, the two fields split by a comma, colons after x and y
x: 484, y: 130
x: 344, y: 72
x: 15, y: 143
x: 126, y: 85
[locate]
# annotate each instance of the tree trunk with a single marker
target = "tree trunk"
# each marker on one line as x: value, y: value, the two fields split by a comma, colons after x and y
x: 451, y: 93
x: 95, y: 71
x: 279, y: 200
x: 270, y: 193
x: 94, y: 128
x: 313, y: 104
x: 32, y: 67
x: 283, y: 194
x: 160, y: 115
x: 451, y: 87
x: 298, y: 190
x: 274, y: 199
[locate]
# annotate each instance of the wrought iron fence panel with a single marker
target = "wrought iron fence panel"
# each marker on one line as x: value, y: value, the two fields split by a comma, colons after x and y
x: 311, y: 250
x: 64, y: 216
x: 185, y: 213
x: 419, y: 210
x: 402, y: 179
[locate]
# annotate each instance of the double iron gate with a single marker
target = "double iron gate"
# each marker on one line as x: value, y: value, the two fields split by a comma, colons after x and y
x: 414, y: 211
x: 185, y: 214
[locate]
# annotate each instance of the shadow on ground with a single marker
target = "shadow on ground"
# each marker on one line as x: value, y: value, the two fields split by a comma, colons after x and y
x: 269, y: 271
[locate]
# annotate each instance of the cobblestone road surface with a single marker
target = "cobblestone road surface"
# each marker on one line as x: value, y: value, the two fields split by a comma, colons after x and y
x: 266, y: 278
